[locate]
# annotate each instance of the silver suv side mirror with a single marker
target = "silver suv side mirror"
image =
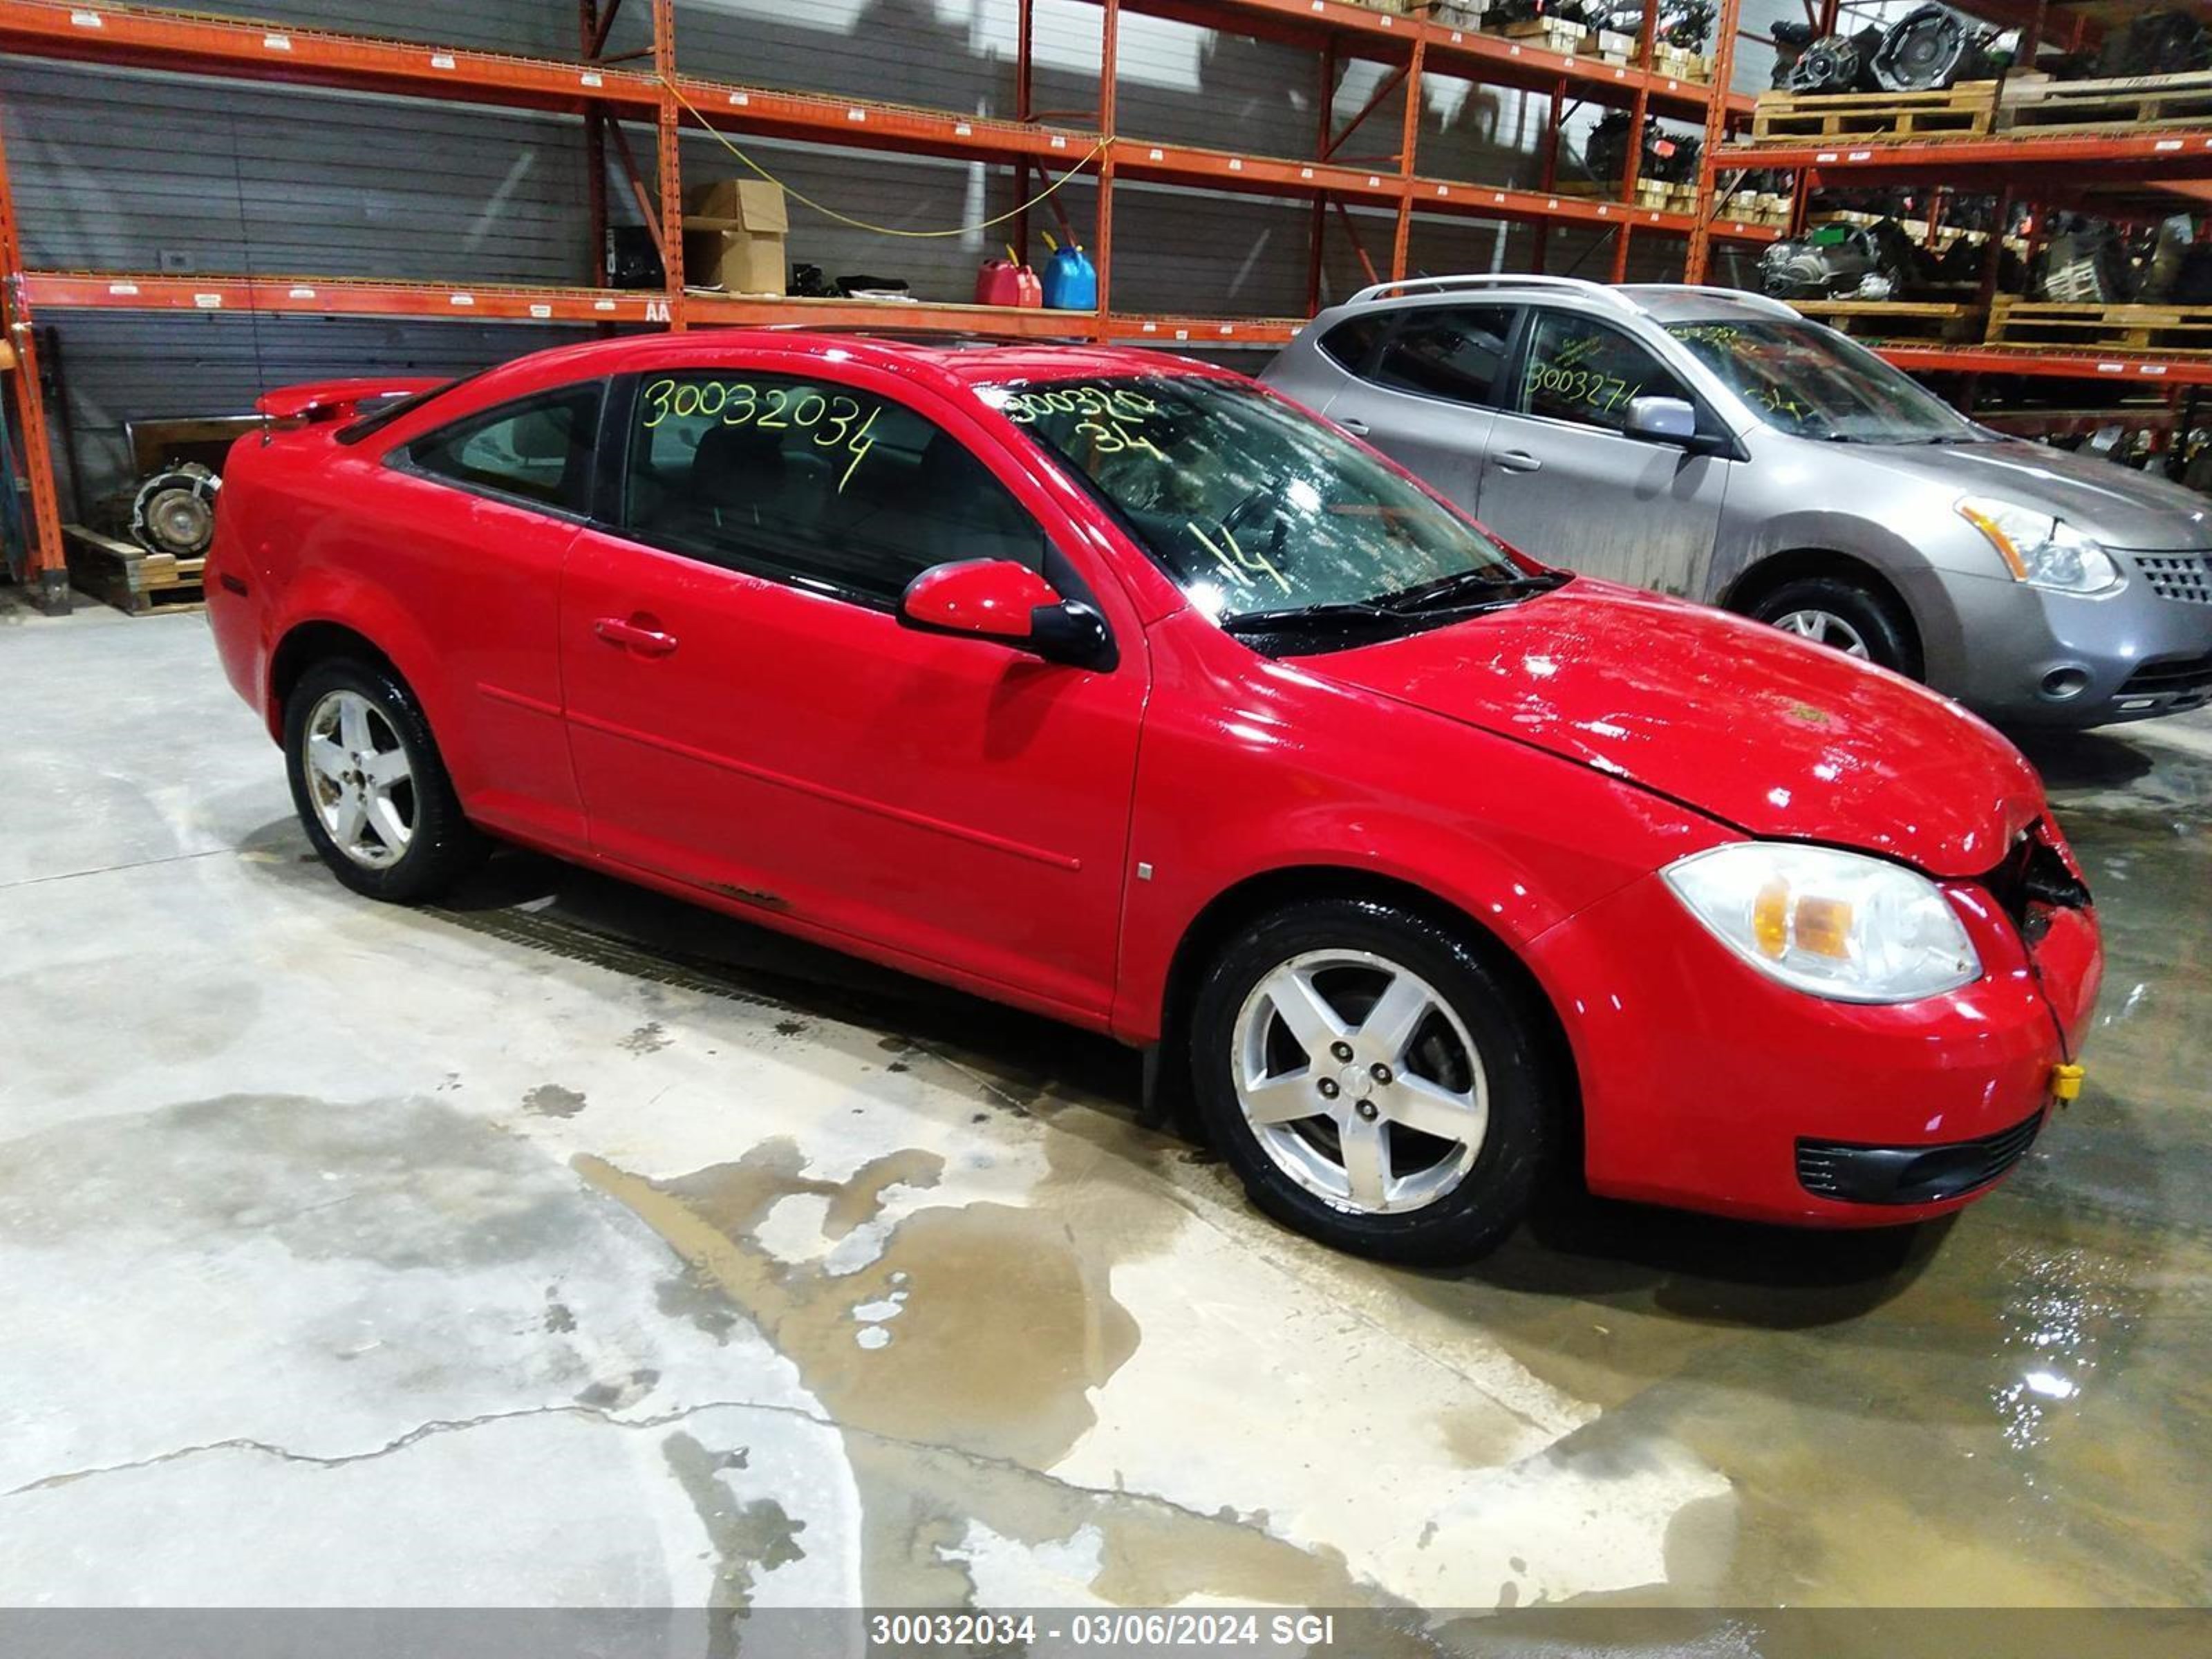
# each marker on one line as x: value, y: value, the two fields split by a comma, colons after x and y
x: 1668, y: 420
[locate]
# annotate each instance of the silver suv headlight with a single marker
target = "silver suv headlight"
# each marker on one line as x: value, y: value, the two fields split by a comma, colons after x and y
x: 1833, y: 924
x: 2040, y: 550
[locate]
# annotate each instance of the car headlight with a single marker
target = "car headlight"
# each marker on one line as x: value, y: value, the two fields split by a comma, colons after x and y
x: 1836, y: 925
x: 2040, y: 550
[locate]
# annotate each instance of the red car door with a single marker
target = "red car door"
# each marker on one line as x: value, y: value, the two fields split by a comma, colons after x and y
x: 469, y: 526
x: 748, y: 716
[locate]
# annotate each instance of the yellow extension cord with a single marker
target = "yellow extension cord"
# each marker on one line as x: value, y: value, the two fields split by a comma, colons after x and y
x: 862, y: 224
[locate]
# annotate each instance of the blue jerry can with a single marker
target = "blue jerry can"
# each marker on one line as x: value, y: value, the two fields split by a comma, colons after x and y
x: 1071, y: 281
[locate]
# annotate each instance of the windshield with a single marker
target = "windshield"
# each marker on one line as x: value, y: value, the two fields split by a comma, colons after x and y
x: 1810, y: 382
x: 1255, y: 509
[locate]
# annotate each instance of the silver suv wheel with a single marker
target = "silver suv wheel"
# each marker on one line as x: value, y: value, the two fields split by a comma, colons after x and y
x: 1825, y: 628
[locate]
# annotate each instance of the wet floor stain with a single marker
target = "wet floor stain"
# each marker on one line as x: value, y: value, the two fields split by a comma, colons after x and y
x: 1004, y: 1324
x: 551, y: 1100
x: 649, y: 1039
x: 748, y: 1539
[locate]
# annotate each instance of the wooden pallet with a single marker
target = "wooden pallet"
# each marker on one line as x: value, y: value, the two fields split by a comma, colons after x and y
x: 1964, y: 111
x: 1896, y: 319
x: 2157, y: 100
x: 2178, y: 330
x: 127, y: 576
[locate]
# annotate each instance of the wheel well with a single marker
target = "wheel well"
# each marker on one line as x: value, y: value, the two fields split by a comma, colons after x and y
x: 304, y: 646
x: 1258, y: 896
x: 1778, y: 568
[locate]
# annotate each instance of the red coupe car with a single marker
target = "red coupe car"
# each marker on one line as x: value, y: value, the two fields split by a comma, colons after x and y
x: 1118, y: 688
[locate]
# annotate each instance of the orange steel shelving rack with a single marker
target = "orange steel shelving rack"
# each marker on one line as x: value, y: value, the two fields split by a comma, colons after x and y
x: 608, y: 92
x: 2060, y: 169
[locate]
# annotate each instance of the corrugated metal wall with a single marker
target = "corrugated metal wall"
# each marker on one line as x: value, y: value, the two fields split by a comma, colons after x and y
x: 120, y: 170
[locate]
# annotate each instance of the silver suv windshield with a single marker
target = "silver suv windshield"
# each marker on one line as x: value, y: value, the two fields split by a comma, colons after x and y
x: 1267, y: 519
x: 1811, y: 382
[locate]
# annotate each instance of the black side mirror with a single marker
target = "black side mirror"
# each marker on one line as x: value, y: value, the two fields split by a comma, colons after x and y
x: 1071, y: 632
x: 1001, y: 600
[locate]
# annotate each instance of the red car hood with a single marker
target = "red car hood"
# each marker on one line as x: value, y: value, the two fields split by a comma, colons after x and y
x: 1761, y: 730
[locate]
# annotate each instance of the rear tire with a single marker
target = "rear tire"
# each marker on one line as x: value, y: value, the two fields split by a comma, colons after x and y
x: 1374, y: 1081
x: 371, y: 791
x: 1847, y: 614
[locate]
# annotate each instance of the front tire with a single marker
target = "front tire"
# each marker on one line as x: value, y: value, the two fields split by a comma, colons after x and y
x: 1375, y: 1082
x: 1846, y: 616
x: 370, y: 787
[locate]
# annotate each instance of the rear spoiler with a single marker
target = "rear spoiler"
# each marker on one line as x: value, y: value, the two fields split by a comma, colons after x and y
x: 334, y: 400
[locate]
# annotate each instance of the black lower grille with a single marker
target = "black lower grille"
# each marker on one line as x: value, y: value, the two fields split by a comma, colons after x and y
x: 2188, y: 675
x: 1911, y: 1175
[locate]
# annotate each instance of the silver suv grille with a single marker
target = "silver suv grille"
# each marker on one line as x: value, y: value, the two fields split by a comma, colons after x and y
x: 2184, y: 576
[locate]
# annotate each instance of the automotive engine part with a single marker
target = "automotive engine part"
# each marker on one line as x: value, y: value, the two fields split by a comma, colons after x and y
x: 1836, y: 62
x: 1665, y: 157
x: 1931, y: 48
x: 2170, y: 42
x: 1837, y: 262
x: 173, y: 511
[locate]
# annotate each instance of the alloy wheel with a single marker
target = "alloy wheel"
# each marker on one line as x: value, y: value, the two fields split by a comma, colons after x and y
x: 1359, y: 1082
x: 1825, y: 628
x: 361, y: 779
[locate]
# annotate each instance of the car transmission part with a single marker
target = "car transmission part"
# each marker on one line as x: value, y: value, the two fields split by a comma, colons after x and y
x: 633, y: 259
x: 1836, y: 262
x: 1836, y: 62
x: 1667, y: 158
x: 1686, y: 25
x: 1791, y: 41
x: 1931, y: 48
x: 173, y: 511
x: 2168, y: 42
x: 2084, y: 265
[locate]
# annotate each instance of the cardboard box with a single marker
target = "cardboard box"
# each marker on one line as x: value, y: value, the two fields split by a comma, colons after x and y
x: 734, y: 231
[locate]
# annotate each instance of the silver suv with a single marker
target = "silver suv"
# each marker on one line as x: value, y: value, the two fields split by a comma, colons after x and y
x: 1717, y: 445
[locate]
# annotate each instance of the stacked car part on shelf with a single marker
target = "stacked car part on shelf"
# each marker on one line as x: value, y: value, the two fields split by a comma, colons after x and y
x: 1930, y: 49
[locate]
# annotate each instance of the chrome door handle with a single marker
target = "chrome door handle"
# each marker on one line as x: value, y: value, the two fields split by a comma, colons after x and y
x: 635, y: 636
x: 1357, y: 428
x: 1520, y: 460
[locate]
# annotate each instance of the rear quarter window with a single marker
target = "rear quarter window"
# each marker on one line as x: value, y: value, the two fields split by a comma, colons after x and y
x: 1352, y: 344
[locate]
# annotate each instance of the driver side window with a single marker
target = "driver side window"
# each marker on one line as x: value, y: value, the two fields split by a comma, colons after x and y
x: 1587, y: 372
x: 809, y: 482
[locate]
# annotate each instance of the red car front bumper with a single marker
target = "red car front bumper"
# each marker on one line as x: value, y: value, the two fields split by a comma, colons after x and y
x: 1706, y: 1085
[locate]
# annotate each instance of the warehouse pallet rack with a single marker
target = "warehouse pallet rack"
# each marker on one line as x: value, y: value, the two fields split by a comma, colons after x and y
x: 2117, y: 173
x: 609, y: 92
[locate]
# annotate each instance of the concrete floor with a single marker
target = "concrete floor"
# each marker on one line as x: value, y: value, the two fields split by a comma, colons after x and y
x: 571, y: 1246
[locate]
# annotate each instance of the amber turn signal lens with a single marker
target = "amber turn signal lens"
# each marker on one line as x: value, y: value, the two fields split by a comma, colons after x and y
x: 1770, y: 919
x: 1824, y: 927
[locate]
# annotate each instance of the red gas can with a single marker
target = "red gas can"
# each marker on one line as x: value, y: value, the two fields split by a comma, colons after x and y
x: 1004, y: 283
